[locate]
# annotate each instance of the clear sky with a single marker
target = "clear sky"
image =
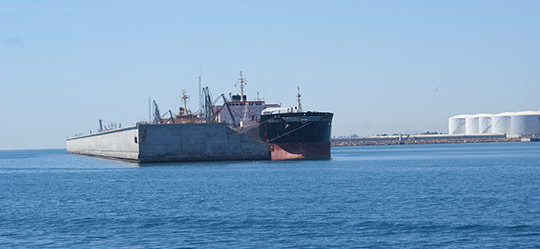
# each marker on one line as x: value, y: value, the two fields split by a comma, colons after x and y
x: 380, y: 66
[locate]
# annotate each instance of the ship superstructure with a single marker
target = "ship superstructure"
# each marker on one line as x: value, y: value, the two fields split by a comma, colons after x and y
x: 238, y: 111
x: 183, y: 115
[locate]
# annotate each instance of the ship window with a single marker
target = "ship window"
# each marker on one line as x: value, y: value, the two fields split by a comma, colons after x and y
x: 135, y: 139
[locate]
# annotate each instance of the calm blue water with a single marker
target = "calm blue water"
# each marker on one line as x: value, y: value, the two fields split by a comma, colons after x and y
x: 464, y: 195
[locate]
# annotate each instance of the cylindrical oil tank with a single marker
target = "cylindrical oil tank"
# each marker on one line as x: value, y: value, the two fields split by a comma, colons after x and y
x: 456, y: 124
x: 501, y: 123
x: 471, y: 125
x: 525, y: 123
x: 484, y: 123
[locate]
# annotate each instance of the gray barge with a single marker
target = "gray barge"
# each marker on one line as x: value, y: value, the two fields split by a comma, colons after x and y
x: 151, y: 143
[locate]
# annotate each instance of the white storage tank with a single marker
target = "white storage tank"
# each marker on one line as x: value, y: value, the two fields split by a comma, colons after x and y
x: 456, y: 124
x: 471, y: 125
x: 525, y: 123
x: 501, y: 123
x: 484, y: 123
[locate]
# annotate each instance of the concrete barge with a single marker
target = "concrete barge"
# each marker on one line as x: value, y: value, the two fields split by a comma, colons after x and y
x: 151, y: 143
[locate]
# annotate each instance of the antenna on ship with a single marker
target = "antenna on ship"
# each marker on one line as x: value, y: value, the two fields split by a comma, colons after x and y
x: 298, y: 100
x: 242, y: 81
x: 185, y: 97
x: 201, y: 94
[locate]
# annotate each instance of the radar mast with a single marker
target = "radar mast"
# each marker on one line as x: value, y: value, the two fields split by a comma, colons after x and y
x: 298, y: 100
x: 242, y: 81
x: 185, y: 97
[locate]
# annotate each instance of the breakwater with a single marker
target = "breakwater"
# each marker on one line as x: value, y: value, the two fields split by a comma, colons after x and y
x: 423, y: 139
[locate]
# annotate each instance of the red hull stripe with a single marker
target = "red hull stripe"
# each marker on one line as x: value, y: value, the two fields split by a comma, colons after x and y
x: 291, y: 151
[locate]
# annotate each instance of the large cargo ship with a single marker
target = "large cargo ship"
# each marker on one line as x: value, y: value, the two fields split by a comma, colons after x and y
x: 290, y: 132
x: 296, y: 135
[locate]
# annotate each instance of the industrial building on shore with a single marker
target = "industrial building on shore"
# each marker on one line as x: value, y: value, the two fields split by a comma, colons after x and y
x: 525, y: 123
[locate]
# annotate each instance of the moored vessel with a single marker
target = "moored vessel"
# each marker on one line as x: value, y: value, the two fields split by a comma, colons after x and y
x: 290, y: 132
x: 296, y: 135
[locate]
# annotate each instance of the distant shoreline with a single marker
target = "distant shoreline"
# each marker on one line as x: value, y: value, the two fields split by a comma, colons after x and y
x: 427, y: 139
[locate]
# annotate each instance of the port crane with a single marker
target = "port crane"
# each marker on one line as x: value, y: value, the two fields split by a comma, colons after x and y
x: 208, y: 106
x: 209, y: 114
x: 158, y: 118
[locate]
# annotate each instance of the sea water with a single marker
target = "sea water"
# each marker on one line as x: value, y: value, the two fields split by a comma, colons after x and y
x: 450, y: 195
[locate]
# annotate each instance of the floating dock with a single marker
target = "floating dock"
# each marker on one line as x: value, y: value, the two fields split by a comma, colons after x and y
x: 151, y: 143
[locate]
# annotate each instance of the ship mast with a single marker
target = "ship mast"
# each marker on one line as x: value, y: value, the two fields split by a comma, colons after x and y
x: 201, y: 96
x: 185, y: 97
x: 298, y: 100
x: 242, y: 82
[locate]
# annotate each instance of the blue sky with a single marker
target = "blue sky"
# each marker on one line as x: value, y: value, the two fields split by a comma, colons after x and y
x: 380, y: 66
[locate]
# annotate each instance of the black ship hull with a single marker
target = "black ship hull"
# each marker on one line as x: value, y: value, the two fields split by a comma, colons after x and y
x: 299, y: 135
